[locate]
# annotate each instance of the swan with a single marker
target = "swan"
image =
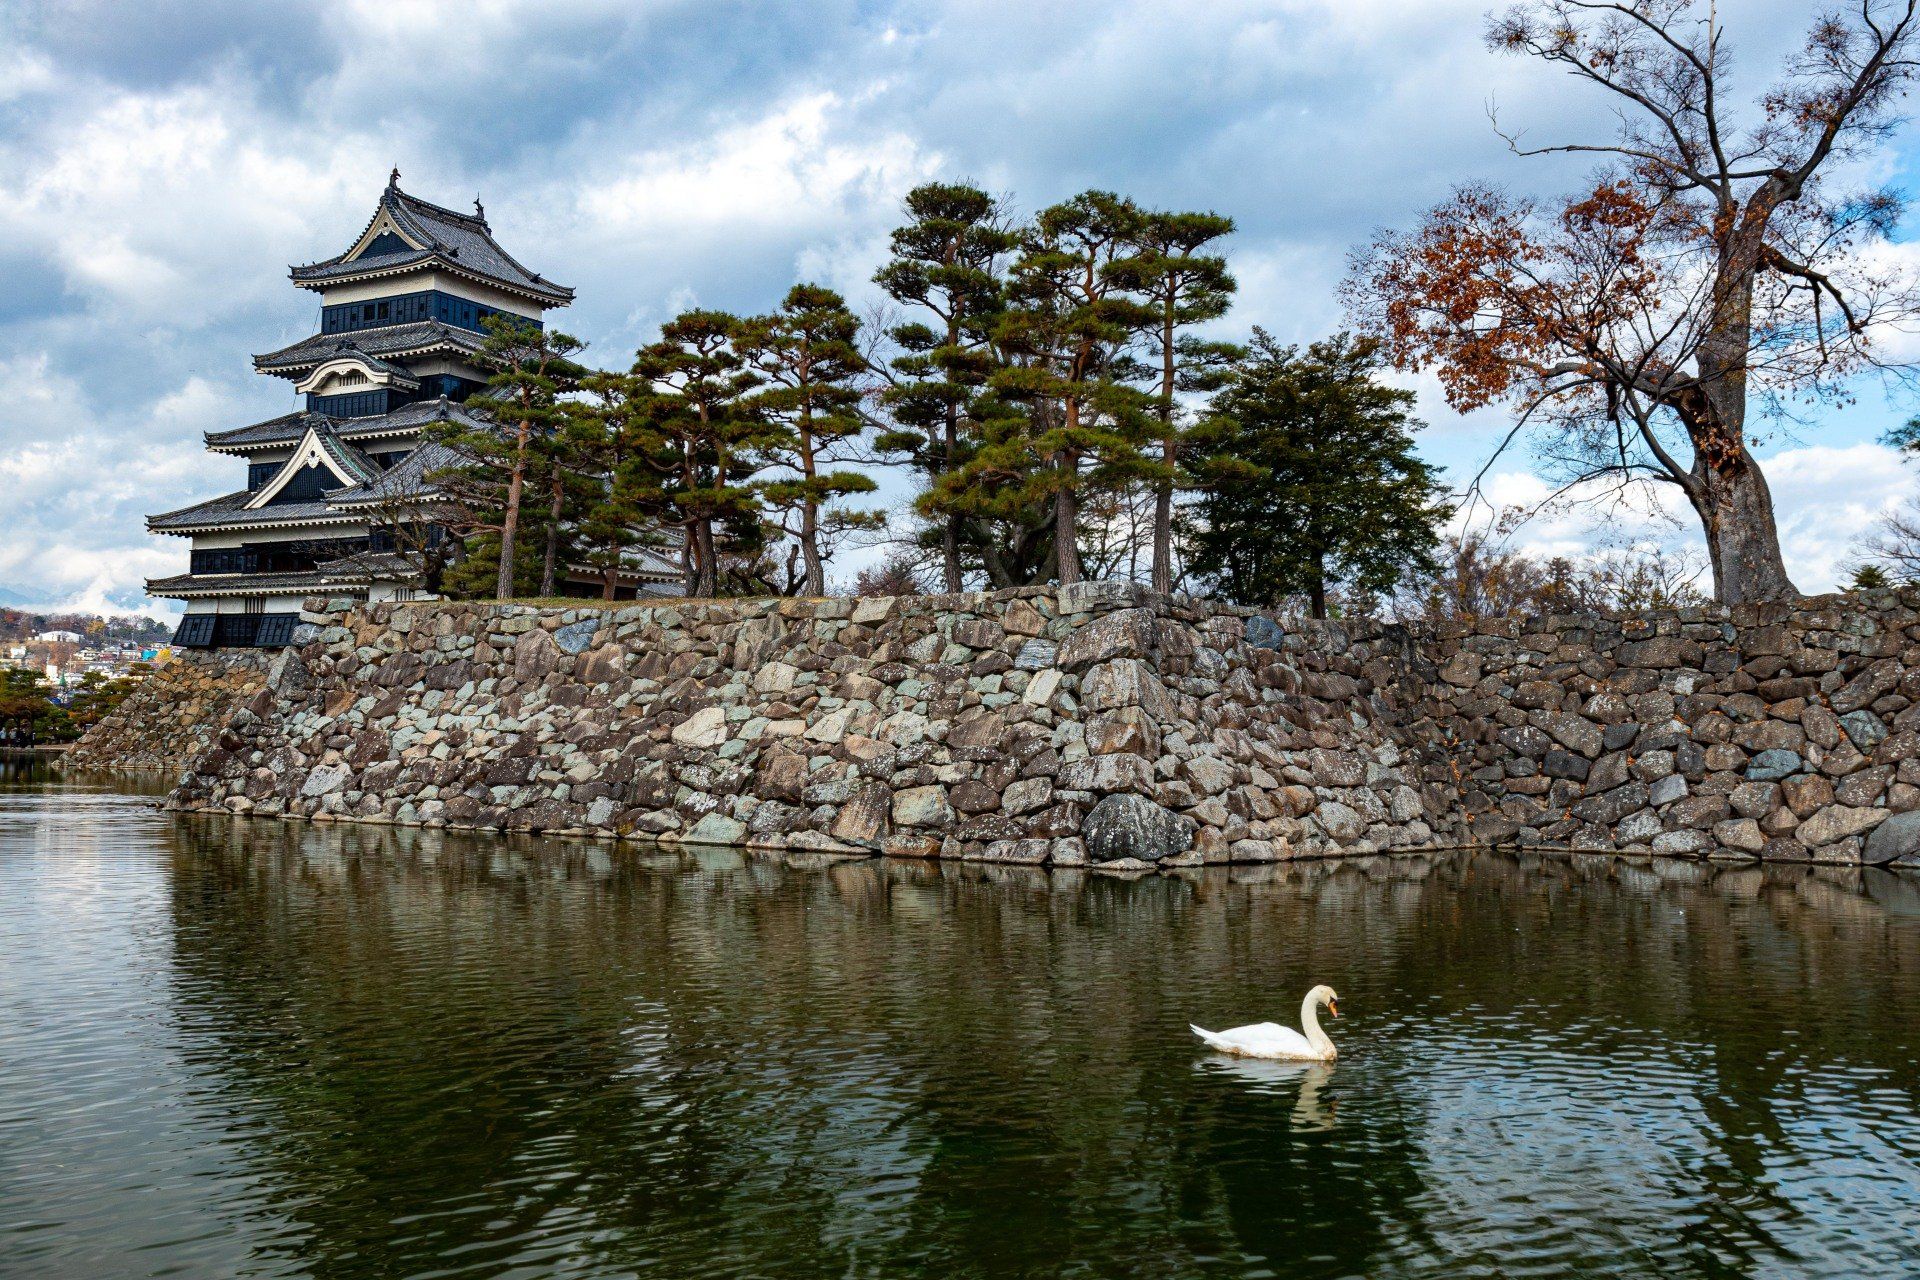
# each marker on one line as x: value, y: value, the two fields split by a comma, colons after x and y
x: 1271, y: 1040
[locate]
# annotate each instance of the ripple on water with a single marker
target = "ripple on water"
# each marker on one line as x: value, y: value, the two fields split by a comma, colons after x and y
x: 251, y: 1049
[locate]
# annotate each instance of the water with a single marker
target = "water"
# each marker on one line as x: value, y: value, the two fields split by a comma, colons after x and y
x: 253, y: 1049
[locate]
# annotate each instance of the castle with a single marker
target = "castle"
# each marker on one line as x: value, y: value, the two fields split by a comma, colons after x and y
x: 339, y: 497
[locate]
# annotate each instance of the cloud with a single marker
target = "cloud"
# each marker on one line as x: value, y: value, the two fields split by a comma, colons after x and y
x: 1828, y: 498
x: 160, y: 166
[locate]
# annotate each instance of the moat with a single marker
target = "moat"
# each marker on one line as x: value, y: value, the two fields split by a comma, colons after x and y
x: 251, y: 1048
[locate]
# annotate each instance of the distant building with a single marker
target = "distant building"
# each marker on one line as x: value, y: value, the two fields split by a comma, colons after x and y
x: 402, y: 315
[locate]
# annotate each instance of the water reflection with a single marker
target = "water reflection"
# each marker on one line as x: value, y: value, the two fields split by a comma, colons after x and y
x: 1302, y: 1083
x: 364, y: 1051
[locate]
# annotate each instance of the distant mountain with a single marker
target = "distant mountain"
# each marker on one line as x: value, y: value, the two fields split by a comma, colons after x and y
x: 21, y: 600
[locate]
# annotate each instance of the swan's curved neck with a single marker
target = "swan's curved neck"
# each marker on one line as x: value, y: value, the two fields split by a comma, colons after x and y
x: 1310, y: 1025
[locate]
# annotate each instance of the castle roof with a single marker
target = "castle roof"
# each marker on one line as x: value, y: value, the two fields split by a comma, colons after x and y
x: 188, y: 586
x: 407, y: 478
x: 406, y: 233
x: 398, y: 341
x: 290, y: 428
x: 231, y: 511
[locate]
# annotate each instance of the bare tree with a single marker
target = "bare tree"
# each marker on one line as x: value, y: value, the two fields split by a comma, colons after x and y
x: 1481, y: 574
x: 1894, y: 544
x: 410, y: 542
x: 1711, y: 261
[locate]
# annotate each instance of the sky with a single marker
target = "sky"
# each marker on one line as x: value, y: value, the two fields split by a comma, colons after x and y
x: 162, y: 162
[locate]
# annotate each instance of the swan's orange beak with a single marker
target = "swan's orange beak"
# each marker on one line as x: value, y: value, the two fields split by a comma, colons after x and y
x: 1333, y: 1007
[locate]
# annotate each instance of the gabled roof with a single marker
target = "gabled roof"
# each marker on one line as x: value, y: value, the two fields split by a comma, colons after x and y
x: 289, y: 428
x: 321, y: 447
x: 420, y: 338
x: 406, y: 232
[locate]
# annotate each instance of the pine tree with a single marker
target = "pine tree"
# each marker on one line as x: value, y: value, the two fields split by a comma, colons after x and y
x: 947, y: 262
x: 1066, y: 330
x: 811, y: 371
x: 1869, y: 577
x: 532, y: 369
x: 1183, y: 288
x: 707, y: 437
x: 1309, y: 478
x: 610, y: 448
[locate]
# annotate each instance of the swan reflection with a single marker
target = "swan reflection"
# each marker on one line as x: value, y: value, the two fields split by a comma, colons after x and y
x: 1272, y: 1078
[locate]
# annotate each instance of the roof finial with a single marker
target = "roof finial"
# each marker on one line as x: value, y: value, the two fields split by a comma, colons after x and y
x: 479, y: 210
x: 393, y: 179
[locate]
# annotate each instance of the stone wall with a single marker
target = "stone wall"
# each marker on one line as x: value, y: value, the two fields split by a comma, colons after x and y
x: 1098, y: 724
x: 1785, y: 732
x: 173, y: 714
x: 1095, y: 724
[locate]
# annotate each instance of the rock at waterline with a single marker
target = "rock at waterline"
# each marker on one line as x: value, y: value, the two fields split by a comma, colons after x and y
x: 1897, y: 840
x: 1131, y: 826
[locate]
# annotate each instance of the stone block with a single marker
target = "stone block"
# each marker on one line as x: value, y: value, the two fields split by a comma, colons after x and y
x: 1837, y: 822
x: 1101, y: 774
x: 706, y: 727
x: 1864, y: 729
x: 1132, y: 826
x: 1573, y: 732
x: 865, y: 819
x: 1895, y: 841
x: 1462, y: 670
x: 922, y: 807
x: 1565, y: 764
x: 1123, y: 682
x: 1667, y: 790
x: 716, y: 828
x: 1208, y: 775
x: 1027, y: 795
x: 1743, y: 834
x: 1128, y: 633
x: 1773, y: 765
x: 1127, y: 731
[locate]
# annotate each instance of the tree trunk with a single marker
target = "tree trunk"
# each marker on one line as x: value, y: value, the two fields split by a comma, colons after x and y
x: 1727, y: 490
x: 951, y: 534
x: 510, y: 520
x: 1066, y: 534
x: 1163, y: 489
x: 950, y: 579
x: 549, y: 586
x: 706, y: 578
x: 816, y: 574
x: 1317, y: 588
x: 1743, y: 543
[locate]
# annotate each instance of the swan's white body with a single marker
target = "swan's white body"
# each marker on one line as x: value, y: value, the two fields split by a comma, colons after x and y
x: 1271, y: 1040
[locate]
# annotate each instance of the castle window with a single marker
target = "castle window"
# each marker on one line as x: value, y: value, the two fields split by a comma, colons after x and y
x: 406, y: 308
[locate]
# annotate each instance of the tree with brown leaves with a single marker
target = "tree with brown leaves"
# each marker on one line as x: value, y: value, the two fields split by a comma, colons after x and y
x: 1711, y: 265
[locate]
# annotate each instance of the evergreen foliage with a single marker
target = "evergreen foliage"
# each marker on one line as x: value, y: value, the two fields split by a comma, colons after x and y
x: 620, y: 500
x: 1041, y: 389
x: 948, y: 269
x: 1065, y: 333
x: 1309, y: 479
x: 808, y: 360
x: 707, y: 438
x: 1183, y: 288
x: 533, y: 369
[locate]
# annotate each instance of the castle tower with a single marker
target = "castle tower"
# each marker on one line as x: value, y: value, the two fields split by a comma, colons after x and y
x: 402, y: 322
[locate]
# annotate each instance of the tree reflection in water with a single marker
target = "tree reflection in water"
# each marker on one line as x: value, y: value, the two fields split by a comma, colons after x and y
x: 368, y: 1051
